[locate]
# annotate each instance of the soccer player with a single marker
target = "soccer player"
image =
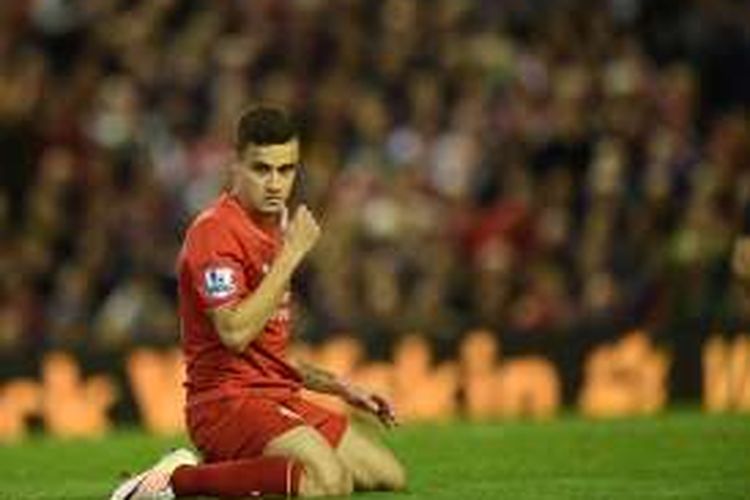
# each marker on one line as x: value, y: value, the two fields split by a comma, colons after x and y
x: 244, y: 411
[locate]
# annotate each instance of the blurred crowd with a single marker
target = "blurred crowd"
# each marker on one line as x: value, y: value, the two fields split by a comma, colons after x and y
x: 526, y: 166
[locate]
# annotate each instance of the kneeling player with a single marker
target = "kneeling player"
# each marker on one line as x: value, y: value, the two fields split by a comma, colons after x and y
x: 244, y: 410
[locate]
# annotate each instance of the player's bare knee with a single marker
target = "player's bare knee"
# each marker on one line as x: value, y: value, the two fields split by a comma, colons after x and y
x: 393, y: 476
x: 309, y: 485
x: 387, y: 475
x: 347, y: 481
x: 330, y: 477
x: 365, y: 480
x: 339, y: 481
x: 398, y: 477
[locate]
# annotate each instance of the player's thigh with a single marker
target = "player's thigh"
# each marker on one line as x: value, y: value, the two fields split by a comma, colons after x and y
x: 372, y: 465
x: 330, y: 424
x: 321, y: 464
x: 238, y: 427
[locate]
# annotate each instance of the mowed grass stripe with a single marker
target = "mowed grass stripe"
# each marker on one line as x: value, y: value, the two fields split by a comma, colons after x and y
x: 675, y: 455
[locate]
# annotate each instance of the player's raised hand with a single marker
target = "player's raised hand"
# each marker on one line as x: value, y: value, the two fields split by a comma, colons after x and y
x: 302, y: 232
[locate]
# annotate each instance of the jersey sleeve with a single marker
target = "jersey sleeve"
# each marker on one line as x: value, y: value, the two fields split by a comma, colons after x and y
x: 216, y: 266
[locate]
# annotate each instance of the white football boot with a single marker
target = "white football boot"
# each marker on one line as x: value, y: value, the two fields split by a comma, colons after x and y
x: 153, y: 484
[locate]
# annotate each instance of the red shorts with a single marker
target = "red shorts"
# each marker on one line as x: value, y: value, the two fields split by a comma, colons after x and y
x: 241, y: 426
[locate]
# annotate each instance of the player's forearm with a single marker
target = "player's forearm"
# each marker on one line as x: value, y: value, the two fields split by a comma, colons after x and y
x: 239, y: 324
x: 319, y: 380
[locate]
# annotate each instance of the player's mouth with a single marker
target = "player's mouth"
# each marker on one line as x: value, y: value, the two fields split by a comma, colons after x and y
x: 274, y: 201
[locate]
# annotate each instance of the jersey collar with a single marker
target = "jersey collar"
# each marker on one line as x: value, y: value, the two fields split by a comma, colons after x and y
x: 269, y: 228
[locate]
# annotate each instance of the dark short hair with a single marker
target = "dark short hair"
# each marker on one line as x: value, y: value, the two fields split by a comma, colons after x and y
x: 264, y: 125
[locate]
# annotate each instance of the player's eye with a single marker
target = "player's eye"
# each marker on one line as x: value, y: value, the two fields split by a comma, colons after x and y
x: 260, y: 168
x: 287, y: 169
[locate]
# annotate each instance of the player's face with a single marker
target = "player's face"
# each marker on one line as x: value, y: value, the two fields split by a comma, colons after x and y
x: 264, y: 176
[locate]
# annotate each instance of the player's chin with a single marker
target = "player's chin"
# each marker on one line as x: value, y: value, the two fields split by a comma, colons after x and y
x: 272, y: 207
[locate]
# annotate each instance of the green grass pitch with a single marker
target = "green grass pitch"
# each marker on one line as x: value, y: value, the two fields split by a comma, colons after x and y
x: 679, y: 455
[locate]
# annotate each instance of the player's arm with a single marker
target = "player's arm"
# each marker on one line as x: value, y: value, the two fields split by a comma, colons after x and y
x: 318, y: 380
x: 239, y: 323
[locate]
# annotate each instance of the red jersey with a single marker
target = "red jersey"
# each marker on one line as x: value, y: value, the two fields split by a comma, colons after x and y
x: 224, y: 257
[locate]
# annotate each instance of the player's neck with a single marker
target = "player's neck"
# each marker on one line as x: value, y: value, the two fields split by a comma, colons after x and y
x: 266, y: 221
x: 260, y: 219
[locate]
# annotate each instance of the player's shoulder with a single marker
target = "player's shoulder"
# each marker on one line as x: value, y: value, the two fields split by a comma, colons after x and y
x: 218, y: 223
x: 209, y: 221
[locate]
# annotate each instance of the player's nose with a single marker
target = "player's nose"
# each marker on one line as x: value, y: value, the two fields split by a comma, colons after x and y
x: 274, y: 182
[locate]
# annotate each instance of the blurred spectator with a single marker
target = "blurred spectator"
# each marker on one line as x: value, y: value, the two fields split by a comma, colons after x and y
x: 525, y: 166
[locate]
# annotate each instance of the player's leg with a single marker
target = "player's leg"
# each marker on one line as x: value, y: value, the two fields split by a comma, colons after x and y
x: 254, y: 430
x: 242, y: 477
x: 372, y: 464
x: 178, y: 474
x: 155, y: 481
x: 269, y: 429
x: 323, y: 473
x: 231, y: 435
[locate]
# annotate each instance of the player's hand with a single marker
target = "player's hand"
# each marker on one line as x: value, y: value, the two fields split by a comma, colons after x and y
x: 371, y: 403
x: 302, y: 233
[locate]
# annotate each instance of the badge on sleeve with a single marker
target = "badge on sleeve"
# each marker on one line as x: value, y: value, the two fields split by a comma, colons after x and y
x: 219, y: 282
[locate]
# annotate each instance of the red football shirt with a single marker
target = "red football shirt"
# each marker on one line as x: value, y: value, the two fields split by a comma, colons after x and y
x: 223, y: 259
